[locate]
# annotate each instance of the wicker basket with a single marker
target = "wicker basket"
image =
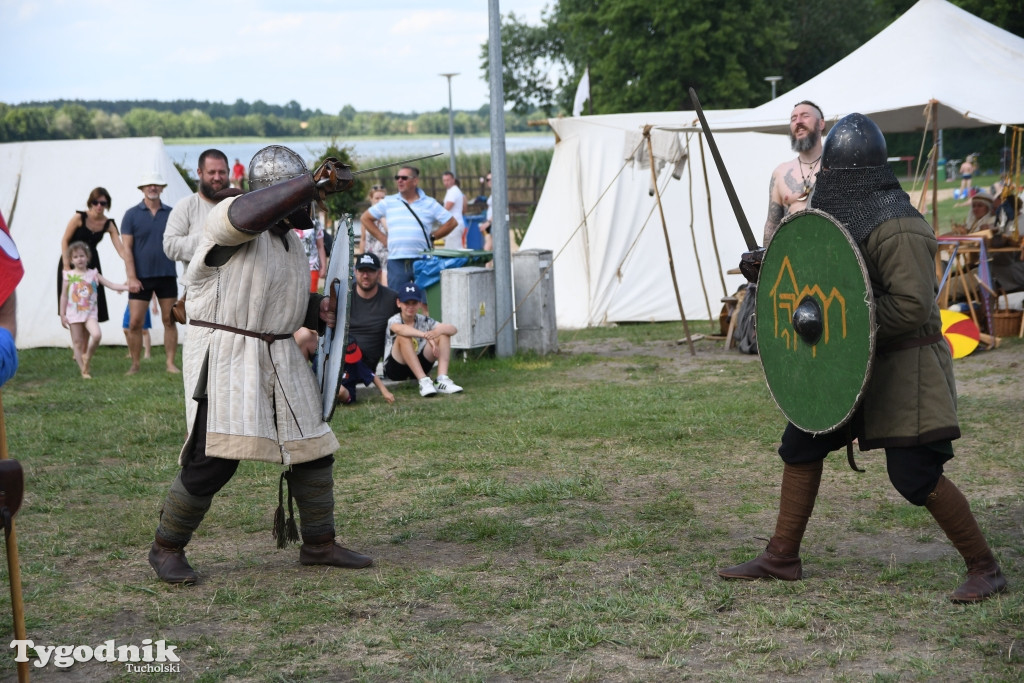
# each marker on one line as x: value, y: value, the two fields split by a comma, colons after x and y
x: 1006, y: 321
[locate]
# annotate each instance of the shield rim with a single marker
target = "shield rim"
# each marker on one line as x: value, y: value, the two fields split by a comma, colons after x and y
x: 872, y: 329
x: 330, y: 363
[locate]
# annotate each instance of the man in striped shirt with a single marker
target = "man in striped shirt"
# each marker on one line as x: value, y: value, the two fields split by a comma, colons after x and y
x: 414, y: 221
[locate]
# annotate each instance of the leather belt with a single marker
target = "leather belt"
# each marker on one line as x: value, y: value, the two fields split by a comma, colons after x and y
x: 911, y: 343
x: 264, y: 336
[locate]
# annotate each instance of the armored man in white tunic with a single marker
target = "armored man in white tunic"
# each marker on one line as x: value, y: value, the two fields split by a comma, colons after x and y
x: 250, y: 394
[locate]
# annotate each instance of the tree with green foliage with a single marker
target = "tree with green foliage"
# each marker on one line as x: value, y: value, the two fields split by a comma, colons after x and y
x: 644, y: 54
x: 346, y: 202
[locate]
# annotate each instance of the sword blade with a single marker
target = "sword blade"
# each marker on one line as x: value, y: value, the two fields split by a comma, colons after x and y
x: 396, y: 163
x: 741, y: 218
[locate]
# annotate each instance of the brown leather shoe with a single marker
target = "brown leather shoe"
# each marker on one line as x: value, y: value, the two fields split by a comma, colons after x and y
x: 332, y: 554
x: 170, y: 564
x: 767, y: 565
x: 982, y: 583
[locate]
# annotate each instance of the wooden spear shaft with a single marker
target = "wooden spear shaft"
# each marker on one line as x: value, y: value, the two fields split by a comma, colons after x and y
x: 17, y: 605
x: 668, y: 245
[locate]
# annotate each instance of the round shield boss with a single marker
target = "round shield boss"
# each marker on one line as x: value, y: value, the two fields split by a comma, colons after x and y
x: 815, y: 322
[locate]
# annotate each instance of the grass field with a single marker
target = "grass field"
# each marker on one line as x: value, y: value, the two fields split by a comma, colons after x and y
x: 561, y: 520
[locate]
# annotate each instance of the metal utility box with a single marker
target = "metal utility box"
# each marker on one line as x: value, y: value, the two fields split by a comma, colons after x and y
x: 467, y: 301
x: 534, y: 284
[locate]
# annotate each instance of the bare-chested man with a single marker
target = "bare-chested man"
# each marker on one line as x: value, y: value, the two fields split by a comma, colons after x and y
x: 792, y: 181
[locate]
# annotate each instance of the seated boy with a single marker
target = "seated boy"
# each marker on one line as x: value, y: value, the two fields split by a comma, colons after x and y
x: 356, y: 371
x: 414, y: 342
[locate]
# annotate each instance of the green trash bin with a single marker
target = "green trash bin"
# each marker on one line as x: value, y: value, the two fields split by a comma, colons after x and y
x: 474, y: 257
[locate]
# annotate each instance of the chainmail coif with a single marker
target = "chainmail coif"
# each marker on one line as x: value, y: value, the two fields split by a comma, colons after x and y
x: 861, y: 199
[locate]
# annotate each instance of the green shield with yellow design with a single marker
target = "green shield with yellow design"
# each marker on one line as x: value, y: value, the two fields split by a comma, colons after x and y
x: 815, y: 322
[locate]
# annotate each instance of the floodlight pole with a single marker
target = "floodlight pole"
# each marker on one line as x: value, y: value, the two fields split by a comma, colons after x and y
x: 505, y: 341
x: 451, y: 123
x: 773, y: 80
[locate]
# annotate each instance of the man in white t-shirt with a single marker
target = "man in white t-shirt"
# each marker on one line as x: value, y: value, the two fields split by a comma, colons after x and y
x: 455, y: 202
x: 185, y: 224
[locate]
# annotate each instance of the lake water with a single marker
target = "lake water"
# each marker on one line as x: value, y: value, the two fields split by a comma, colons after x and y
x: 364, y: 148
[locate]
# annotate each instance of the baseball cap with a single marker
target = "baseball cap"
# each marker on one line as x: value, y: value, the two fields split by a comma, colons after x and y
x: 367, y: 261
x: 353, y: 354
x: 410, y: 291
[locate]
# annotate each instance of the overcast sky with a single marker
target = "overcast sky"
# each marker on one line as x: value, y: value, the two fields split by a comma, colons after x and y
x: 377, y: 55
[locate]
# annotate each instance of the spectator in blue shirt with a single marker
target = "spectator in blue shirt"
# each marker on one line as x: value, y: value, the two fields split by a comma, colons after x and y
x: 414, y: 222
x: 149, y: 270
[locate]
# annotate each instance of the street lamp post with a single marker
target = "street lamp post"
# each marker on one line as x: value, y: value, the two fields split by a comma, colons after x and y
x: 773, y: 80
x: 451, y: 122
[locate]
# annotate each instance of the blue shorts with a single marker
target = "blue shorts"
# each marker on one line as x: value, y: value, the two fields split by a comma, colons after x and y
x: 147, y: 325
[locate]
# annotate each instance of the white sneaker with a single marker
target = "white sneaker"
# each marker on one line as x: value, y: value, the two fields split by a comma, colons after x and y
x: 445, y: 385
x: 427, y: 388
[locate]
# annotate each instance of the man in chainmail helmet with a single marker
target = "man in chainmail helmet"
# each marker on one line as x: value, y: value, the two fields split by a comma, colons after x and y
x: 249, y: 392
x: 909, y: 404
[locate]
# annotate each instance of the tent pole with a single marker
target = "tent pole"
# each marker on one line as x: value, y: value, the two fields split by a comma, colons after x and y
x: 934, y: 111
x: 693, y: 238
x: 668, y: 245
x: 935, y: 165
x: 711, y: 218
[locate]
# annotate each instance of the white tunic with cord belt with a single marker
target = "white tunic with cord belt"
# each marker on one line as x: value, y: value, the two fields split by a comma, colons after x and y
x: 263, y: 400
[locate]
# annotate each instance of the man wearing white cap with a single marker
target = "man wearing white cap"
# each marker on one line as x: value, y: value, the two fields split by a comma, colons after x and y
x: 148, y: 268
x: 981, y: 216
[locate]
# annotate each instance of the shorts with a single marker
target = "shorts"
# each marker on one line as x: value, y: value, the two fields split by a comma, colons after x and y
x: 394, y: 370
x: 146, y: 325
x: 163, y: 287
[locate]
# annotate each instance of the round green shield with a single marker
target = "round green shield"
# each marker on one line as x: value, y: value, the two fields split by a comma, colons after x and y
x: 815, y: 322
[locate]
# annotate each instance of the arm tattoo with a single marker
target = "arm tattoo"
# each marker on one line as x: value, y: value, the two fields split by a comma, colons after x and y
x: 775, y: 214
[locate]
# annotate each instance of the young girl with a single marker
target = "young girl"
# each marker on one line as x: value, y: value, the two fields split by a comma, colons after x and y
x: 78, y: 304
x: 369, y: 244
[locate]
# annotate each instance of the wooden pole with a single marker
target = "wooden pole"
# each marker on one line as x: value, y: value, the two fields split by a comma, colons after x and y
x: 933, y: 111
x: 668, y: 245
x: 13, y: 570
x: 693, y: 238
x: 711, y: 217
x: 935, y: 165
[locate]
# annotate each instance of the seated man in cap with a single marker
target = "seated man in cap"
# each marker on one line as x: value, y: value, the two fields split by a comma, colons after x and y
x: 980, y: 217
x: 371, y: 308
x: 414, y: 342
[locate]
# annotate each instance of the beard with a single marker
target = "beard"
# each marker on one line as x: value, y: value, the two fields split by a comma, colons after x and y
x: 805, y: 143
x: 208, y: 190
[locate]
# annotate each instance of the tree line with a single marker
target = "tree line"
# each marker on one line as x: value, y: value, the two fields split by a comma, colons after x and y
x: 644, y: 54
x: 79, y: 119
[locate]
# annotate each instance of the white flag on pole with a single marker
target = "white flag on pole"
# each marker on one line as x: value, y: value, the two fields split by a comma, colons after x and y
x: 582, y: 93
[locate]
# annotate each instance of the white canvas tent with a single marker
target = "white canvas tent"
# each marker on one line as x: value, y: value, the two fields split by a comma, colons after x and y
x: 605, y: 232
x: 42, y: 184
x: 934, y: 51
x: 595, y: 215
